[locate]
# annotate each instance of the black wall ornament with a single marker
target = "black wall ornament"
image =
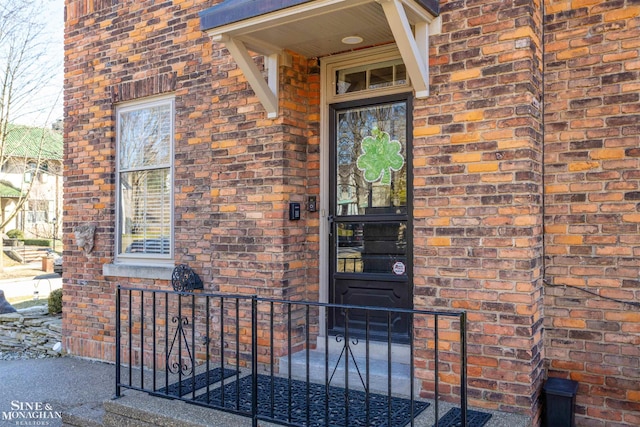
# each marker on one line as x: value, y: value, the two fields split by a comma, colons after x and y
x: 184, y: 279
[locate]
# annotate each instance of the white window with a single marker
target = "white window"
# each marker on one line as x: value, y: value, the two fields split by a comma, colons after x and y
x: 365, y: 73
x: 29, y: 172
x: 371, y: 76
x: 39, y: 211
x: 144, y: 179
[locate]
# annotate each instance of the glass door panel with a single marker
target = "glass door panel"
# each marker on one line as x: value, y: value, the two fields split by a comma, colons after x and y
x: 371, y: 169
x: 366, y: 247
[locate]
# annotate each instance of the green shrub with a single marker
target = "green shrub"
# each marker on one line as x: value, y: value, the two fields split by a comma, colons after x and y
x: 55, y: 301
x: 15, y: 234
x: 37, y: 242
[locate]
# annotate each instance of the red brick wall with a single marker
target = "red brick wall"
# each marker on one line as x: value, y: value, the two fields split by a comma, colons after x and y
x: 235, y: 171
x: 592, y: 152
x: 478, y: 194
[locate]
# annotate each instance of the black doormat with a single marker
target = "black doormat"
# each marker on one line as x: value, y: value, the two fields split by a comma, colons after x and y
x: 186, y: 385
x: 296, y: 413
x: 453, y: 418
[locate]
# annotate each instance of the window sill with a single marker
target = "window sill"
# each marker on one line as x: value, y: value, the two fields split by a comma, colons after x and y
x: 156, y: 272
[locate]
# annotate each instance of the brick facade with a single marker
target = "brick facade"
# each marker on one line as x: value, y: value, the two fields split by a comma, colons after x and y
x: 478, y: 193
x: 506, y: 144
x: 592, y: 178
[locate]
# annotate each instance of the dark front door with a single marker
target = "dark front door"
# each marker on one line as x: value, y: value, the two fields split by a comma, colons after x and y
x: 370, y: 257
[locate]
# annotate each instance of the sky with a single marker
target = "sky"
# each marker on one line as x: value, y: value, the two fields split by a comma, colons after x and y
x: 47, y: 107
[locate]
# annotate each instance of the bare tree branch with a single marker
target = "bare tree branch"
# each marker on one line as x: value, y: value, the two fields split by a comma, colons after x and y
x: 24, y: 73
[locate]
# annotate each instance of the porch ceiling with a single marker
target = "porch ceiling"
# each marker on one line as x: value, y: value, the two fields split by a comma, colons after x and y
x: 310, y: 28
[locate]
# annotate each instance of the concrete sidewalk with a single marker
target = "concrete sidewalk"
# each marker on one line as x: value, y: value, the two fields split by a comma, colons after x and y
x: 26, y: 288
x: 46, y: 387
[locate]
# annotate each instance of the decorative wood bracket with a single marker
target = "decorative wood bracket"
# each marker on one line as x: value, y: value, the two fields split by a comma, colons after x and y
x: 413, y: 49
x: 265, y: 90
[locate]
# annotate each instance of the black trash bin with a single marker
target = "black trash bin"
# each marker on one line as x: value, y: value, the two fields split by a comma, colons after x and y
x: 559, y: 403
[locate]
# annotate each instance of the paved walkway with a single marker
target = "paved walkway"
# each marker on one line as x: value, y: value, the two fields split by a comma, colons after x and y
x: 50, y: 386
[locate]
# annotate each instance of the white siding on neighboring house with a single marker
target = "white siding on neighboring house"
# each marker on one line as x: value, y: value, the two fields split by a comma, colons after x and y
x: 33, y: 167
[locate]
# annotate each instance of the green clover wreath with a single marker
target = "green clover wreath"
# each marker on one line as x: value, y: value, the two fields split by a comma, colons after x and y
x: 379, y: 154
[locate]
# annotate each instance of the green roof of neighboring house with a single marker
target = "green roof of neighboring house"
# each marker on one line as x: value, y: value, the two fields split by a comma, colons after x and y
x: 25, y: 141
x: 9, y: 191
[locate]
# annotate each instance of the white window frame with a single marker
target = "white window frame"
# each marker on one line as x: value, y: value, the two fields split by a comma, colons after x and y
x: 365, y: 59
x: 133, y: 258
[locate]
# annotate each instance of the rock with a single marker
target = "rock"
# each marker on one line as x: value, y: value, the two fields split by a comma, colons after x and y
x: 34, y: 322
x: 56, y: 326
x: 5, y: 307
x: 11, y: 317
x: 29, y: 337
x: 34, y: 312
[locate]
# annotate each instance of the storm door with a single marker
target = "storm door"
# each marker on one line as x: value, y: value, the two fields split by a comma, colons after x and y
x: 370, y: 244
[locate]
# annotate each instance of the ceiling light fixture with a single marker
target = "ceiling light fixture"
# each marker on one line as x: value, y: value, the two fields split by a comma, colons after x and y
x: 352, y: 40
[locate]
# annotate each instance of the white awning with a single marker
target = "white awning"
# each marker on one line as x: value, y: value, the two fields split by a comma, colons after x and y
x: 318, y: 28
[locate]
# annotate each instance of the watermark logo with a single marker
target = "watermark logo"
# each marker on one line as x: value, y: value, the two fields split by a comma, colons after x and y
x: 30, y: 414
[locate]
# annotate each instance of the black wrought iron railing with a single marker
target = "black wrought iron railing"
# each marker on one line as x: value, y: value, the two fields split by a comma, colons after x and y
x: 273, y: 360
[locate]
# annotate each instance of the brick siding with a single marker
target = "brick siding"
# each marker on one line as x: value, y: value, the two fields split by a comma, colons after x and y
x: 479, y: 179
x: 592, y: 151
x: 478, y: 193
x: 235, y: 171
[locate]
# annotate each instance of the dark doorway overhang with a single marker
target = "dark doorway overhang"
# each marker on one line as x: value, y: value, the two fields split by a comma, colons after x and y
x: 316, y: 28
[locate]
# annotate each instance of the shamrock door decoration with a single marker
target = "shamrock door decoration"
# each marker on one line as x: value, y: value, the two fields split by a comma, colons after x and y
x: 379, y: 156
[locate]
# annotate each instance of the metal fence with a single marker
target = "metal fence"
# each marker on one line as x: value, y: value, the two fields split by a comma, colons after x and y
x: 272, y: 360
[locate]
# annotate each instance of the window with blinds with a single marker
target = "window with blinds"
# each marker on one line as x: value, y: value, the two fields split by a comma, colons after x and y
x: 145, y: 139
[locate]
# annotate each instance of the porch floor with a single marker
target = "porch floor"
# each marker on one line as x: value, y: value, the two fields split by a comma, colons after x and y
x: 359, y: 365
x: 141, y: 409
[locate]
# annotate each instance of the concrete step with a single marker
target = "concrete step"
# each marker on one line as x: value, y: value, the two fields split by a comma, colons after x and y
x: 137, y: 409
x: 382, y: 374
x: 26, y: 254
x: 89, y: 415
x: 141, y: 410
